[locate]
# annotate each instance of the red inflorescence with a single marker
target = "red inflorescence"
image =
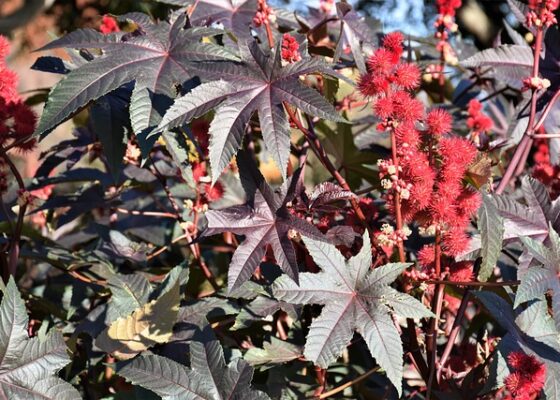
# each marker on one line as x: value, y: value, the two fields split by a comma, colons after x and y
x: 17, y: 120
x: 541, y: 13
x: 109, y: 25
x: 432, y: 164
x: 263, y: 14
x: 478, y: 122
x: 290, y: 49
x: 544, y: 171
x: 213, y: 193
x: 527, y: 378
x: 438, y: 122
x: 448, y: 7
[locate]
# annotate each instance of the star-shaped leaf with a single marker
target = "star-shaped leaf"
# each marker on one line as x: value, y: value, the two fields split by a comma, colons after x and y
x: 29, y: 366
x: 532, y: 331
x: 513, y: 63
x: 259, y: 83
x: 355, y: 298
x: 354, y: 32
x: 234, y: 15
x: 156, y: 56
x: 264, y: 220
x: 209, y: 378
x: 525, y: 220
x: 538, y: 280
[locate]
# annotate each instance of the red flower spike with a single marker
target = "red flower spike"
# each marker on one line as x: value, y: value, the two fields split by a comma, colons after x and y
x: 372, y: 84
x: 407, y: 108
x: 426, y: 256
x: 527, y: 378
x: 455, y: 241
x: 109, y: 25
x: 290, y: 48
x: 448, y: 7
x: 468, y: 202
x: 477, y: 121
x: 8, y: 85
x: 461, y: 271
x: 407, y: 76
x: 381, y: 62
x: 393, y: 42
x: 199, y: 171
x: 4, y: 48
x: 406, y: 132
x: 24, y: 119
x: 439, y: 122
x: 383, y: 107
x: 213, y: 193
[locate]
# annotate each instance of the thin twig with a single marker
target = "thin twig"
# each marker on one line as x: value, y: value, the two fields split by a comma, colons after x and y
x: 454, y: 332
x: 195, y: 249
x: 353, y: 382
x: 526, y: 141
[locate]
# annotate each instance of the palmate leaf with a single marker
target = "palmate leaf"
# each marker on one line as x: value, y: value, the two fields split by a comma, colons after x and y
x: 355, y: 298
x: 258, y: 84
x: 530, y: 219
x: 234, y: 15
x: 157, y: 57
x: 491, y: 227
x: 264, y: 220
x: 146, y: 326
x: 531, y: 331
x: 274, y: 352
x: 513, y: 63
x: 29, y: 366
x: 355, y: 32
x: 209, y: 378
x: 537, y: 281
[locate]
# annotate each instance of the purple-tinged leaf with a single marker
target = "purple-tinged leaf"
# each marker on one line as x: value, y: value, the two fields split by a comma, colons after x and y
x: 355, y: 299
x: 156, y: 59
x: 264, y: 221
x: 258, y: 84
x: 208, y: 378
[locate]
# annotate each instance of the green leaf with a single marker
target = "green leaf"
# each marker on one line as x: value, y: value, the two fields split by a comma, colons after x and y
x: 145, y: 327
x: 29, y: 366
x: 128, y: 292
x: 534, y: 283
x: 274, y: 352
x: 491, y: 227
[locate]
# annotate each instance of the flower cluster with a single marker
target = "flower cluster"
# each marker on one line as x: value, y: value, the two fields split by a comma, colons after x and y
x: 263, y: 15
x: 326, y: 6
x: 109, y: 25
x: 445, y: 24
x: 541, y: 13
x: 527, y: 378
x: 290, y: 48
x: 478, y: 122
x: 388, y: 236
x: 206, y: 192
x: 17, y: 120
x: 535, y: 83
x: 426, y: 175
x: 544, y: 171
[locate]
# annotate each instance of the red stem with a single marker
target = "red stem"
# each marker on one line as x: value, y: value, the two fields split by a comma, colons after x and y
x: 431, y: 336
x: 526, y: 142
x: 13, y: 249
